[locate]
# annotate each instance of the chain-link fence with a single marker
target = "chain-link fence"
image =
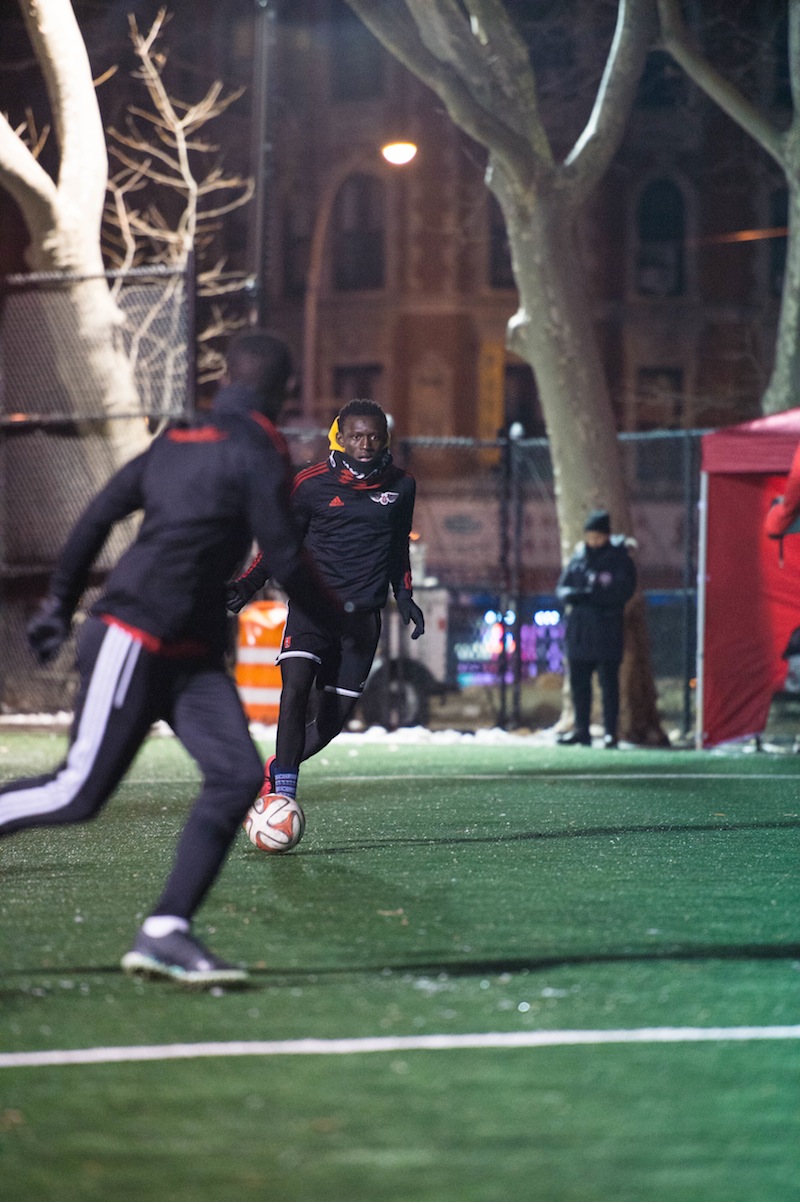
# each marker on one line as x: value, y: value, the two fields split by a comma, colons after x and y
x: 485, y: 551
x: 486, y: 554
x: 86, y: 364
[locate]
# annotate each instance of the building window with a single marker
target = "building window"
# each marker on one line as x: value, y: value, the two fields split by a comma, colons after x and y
x: 358, y: 250
x: 660, y: 250
x: 296, y: 245
x: 659, y: 406
x: 550, y: 48
x: 550, y: 44
x: 659, y: 398
x: 662, y: 84
x: 500, y: 272
x: 356, y: 58
x: 779, y: 222
x: 358, y: 380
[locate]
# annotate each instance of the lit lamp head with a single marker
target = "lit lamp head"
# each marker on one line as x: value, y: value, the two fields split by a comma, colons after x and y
x: 399, y: 153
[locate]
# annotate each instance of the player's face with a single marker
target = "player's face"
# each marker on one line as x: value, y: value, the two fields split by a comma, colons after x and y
x: 362, y: 437
x: 595, y: 538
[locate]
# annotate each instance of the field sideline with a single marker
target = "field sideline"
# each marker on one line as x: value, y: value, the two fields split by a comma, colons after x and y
x: 493, y: 970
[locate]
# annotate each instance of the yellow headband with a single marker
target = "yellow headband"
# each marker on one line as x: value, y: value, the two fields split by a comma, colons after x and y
x: 334, y: 436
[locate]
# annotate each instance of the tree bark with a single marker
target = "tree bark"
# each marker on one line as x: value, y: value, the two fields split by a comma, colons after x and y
x: 63, y: 219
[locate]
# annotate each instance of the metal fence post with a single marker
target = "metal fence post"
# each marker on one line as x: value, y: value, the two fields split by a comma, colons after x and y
x: 517, y: 499
x: 505, y: 573
x: 689, y: 580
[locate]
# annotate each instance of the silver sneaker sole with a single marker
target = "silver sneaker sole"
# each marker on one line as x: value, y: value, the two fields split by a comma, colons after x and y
x: 138, y: 964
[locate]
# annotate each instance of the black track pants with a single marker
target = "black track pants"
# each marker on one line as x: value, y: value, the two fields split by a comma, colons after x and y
x: 124, y: 690
x: 580, y: 682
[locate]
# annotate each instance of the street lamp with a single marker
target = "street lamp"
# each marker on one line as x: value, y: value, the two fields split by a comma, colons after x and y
x: 396, y: 153
x: 263, y: 34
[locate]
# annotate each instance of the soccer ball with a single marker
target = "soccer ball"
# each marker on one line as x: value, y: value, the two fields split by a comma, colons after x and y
x: 274, y: 822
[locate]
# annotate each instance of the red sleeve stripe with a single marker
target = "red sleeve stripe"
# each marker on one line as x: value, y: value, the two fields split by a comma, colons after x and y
x: 203, y: 434
x: 274, y: 433
x: 258, y: 559
x: 316, y: 469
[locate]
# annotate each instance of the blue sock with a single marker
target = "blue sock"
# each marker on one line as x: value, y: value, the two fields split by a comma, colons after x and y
x: 286, y: 782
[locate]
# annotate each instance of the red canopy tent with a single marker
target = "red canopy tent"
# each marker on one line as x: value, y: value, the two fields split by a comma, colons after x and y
x: 748, y: 604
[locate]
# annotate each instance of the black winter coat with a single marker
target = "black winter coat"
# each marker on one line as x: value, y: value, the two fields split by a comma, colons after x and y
x: 595, y: 584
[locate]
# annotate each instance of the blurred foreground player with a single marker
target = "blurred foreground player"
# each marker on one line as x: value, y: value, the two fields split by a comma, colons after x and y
x: 354, y: 510
x: 153, y: 646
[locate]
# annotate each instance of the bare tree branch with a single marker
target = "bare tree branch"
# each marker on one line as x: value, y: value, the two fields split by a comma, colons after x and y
x: 165, y: 157
x: 28, y: 134
x: 677, y: 39
x: 633, y: 36
x: 72, y: 99
x: 394, y: 26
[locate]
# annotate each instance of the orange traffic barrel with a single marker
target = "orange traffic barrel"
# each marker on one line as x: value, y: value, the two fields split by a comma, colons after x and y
x: 258, y: 677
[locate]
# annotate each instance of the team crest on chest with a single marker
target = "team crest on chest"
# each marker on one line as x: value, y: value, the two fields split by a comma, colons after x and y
x: 384, y: 498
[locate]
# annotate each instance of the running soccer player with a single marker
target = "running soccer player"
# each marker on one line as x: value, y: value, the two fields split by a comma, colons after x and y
x: 354, y: 510
x: 154, y: 645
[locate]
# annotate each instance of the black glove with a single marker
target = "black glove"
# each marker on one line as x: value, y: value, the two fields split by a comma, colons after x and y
x: 411, y: 612
x: 237, y: 596
x: 48, y: 630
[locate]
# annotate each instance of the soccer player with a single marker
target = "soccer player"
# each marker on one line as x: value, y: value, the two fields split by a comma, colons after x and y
x: 153, y: 646
x: 354, y: 510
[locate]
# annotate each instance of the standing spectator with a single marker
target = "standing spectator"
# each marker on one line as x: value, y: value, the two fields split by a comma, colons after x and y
x: 355, y: 510
x: 596, y: 583
x: 153, y: 646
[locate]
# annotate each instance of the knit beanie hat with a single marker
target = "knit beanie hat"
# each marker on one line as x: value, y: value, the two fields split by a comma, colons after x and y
x: 600, y: 520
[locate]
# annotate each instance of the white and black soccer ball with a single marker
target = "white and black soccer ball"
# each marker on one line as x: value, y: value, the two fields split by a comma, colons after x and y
x: 274, y: 822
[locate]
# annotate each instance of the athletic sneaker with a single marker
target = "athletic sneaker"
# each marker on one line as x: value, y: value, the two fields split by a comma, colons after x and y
x: 180, y: 957
x: 269, y: 773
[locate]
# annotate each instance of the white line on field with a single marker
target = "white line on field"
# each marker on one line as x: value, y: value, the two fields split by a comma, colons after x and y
x: 596, y: 777
x: 513, y: 777
x: 393, y: 1043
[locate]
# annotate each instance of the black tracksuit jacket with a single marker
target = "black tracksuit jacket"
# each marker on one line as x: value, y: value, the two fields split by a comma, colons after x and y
x: 357, y: 531
x: 207, y: 490
x: 596, y: 584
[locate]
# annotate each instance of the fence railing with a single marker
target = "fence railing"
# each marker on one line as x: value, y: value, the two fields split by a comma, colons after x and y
x: 486, y: 545
x: 79, y: 356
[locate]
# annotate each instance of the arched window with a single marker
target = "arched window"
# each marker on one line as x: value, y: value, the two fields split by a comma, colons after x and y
x: 500, y: 272
x: 663, y: 84
x: 661, y: 235
x: 358, y: 248
x: 297, y: 223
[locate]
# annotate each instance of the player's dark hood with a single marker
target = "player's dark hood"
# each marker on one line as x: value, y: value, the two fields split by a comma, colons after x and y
x: 367, y: 471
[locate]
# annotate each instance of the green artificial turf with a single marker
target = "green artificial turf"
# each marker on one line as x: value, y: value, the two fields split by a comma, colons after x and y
x: 441, y: 888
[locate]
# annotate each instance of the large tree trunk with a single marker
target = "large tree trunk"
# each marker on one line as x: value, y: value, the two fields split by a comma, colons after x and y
x: 553, y: 331
x: 63, y: 219
x: 65, y: 358
x: 639, y: 719
x: 783, y: 389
